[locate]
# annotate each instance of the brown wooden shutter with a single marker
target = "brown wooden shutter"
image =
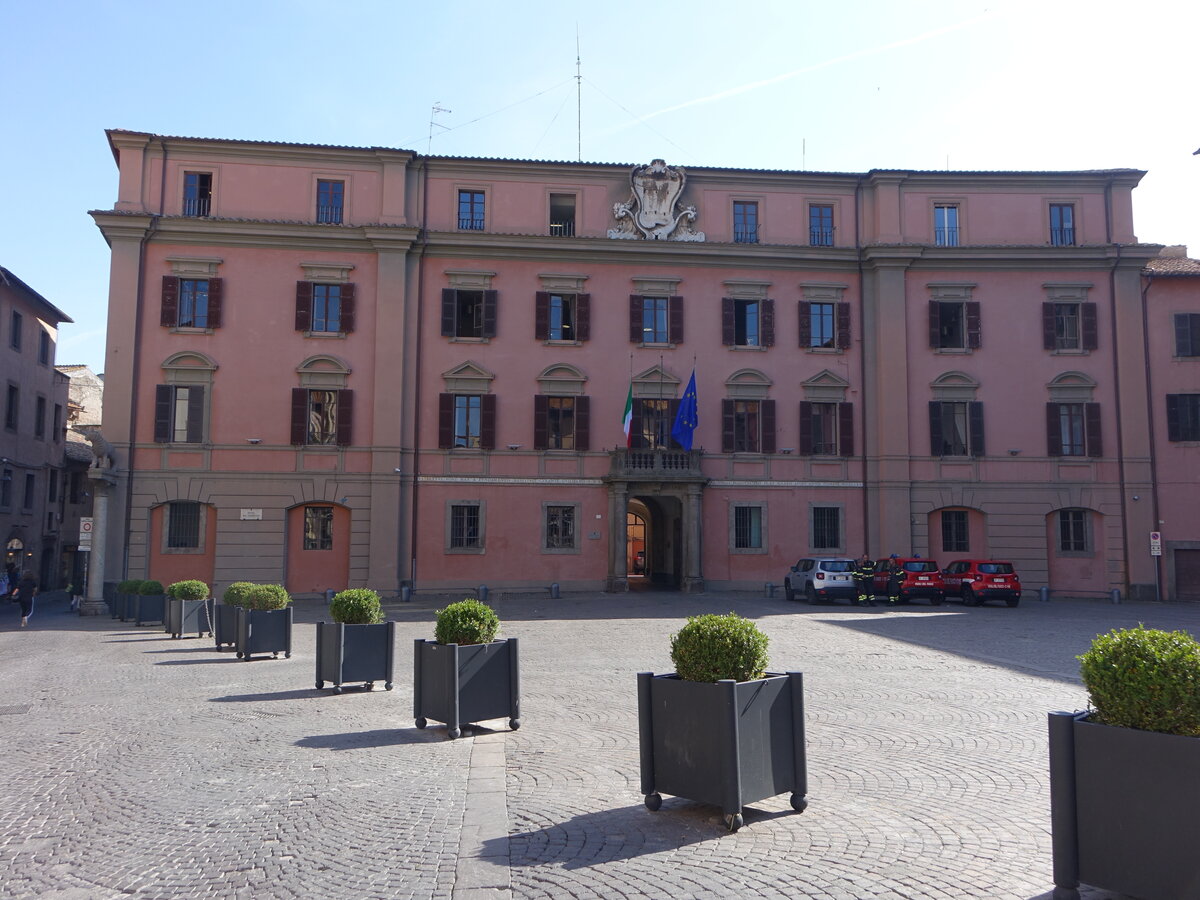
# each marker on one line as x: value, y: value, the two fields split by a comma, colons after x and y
x: 935, y: 324
x: 637, y: 439
x: 299, y: 416
x: 583, y: 317
x: 449, y: 310
x: 675, y: 320
x: 349, y: 308
x: 216, y: 301
x: 487, y: 422
x: 304, y: 293
x: 1053, y: 431
x: 170, y: 301
x: 806, y: 439
x: 768, y: 323
x: 843, y: 326
x: 541, y: 316
x: 1091, y: 421
x: 1088, y: 326
x: 345, y: 417
x: 727, y: 426
x: 767, y: 408
x: 845, y: 429
x: 583, y: 423
x: 1174, y: 430
x: 164, y: 394
x: 445, y: 421
x: 489, y: 313
x: 728, y: 321
x: 805, y: 325
x: 974, y: 331
x: 975, y: 426
x: 636, y: 335
x: 195, y: 414
x: 541, y: 413
x: 935, y: 428
x: 1049, y: 337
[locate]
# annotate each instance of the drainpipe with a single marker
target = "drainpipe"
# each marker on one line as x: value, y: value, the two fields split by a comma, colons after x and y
x: 1112, y: 299
x: 862, y: 364
x: 1154, y: 507
x: 423, y: 242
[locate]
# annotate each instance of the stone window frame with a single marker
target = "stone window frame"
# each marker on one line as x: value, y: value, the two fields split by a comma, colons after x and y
x: 764, y: 548
x: 560, y: 551
x: 165, y: 530
x: 840, y: 549
x: 481, y: 506
x: 1089, y: 533
x: 194, y: 268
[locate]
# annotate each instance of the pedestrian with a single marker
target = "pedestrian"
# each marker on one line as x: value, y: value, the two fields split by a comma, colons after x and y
x: 27, y: 590
x: 864, y: 579
x: 895, y: 579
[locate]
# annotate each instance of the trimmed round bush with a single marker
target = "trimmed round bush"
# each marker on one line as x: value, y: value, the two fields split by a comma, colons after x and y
x: 150, y: 588
x: 236, y: 593
x: 130, y: 586
x: 713, y: 648
x: 356, y: 606
x: 192, y: 589
x: 1144, y: 678
x: 267, y: 596
x: 466, y: 622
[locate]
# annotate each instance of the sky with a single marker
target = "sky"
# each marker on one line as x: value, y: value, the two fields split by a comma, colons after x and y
x: 834, y: 87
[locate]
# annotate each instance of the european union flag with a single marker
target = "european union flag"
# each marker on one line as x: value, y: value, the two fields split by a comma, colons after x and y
x: 688, y: 416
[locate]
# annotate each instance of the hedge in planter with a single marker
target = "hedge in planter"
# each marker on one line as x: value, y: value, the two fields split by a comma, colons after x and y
x: 123, y: 601
x: 149, y: 604
x: 357, y: 645
x: 225, y: 613
x: 188, y: 609
x: 721, y: 729
x: 264, y: 622
x: 465, y: 675
x: 1125, y: 775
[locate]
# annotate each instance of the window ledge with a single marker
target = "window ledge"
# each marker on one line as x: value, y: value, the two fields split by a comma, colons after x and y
x: 187, y: 329
x: 456, y: 339
x: 468, y: 551
x: 752, y: 348
x: 567, y: 343
x: 654, y: 345
x: 325, y: 335
x: 560, y: 551
x: 1070, y: 351
x: 748, y: 551
x: 829, y: 351
x: 954, y: 351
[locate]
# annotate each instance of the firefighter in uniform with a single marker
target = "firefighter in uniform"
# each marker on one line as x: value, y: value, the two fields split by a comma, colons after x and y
x: 864, y: 580
x: 895, y: 579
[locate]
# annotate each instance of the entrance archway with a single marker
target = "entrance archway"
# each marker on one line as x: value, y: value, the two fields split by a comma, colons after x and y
x: 654, y: 545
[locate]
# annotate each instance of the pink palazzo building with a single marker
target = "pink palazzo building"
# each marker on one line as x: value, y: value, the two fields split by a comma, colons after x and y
x: 333, y: 366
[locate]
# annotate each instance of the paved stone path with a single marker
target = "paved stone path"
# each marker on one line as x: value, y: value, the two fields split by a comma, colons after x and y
x: 137, y: 765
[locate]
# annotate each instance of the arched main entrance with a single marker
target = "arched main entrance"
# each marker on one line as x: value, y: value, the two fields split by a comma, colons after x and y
x: 654, y: 541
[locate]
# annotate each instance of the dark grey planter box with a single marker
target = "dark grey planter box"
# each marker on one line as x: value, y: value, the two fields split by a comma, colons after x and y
x: 729, y: 743
x: 123, y: 606
x: 464, y: 684
x: 116, y: 604
x: 186, y: 616
x: 147, y: 609
x: 264, y: 631
x: 365, y: 653
x: 1124, y: 805
x: 224, y: 625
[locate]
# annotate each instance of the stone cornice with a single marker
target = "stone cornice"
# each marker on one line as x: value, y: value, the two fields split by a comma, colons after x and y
x: 222, y: 150
x: 121, y: 225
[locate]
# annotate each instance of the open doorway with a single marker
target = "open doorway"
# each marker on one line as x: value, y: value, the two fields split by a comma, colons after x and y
x: 652, y: 542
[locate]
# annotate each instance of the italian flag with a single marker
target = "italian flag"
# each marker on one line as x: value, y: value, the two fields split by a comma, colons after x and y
x: 627, y: 418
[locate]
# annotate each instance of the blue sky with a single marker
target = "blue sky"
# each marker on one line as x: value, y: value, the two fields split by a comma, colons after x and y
x: 779, y: 85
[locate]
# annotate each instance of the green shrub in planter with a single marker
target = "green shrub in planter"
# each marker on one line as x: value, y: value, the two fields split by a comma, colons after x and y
x: 123, y: 602
x: 712, y: 648
x: 129, y: 586
x: 237, y: 593
x: 192, y: 589
x: 466, y: 622
x: 267, y: 596
x: 1146, y: 679
x: 356, y: 606
x: 150, y: 588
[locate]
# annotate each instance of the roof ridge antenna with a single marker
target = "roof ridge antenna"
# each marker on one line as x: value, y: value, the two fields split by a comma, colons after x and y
x: 437, y: 108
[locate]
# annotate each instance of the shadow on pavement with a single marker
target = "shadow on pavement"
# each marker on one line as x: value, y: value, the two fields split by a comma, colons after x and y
x: 198, y: 662
x: 305, y: 694
x: 379, y: 737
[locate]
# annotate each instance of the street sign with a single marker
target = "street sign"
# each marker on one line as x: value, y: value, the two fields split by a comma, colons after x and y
x: 85, y: 533
x: 1156, y: 543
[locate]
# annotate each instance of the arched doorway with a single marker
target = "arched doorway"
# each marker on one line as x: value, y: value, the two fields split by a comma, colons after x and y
x: 654, y: 546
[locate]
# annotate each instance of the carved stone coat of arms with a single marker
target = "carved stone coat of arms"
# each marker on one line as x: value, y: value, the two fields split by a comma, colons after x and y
x: 652, y: 212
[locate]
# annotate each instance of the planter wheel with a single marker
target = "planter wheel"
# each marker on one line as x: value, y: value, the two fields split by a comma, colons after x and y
x: 653, y: 802
x: 734, y: 822
x: 287, y: 655
x: 454, y: 732
x: 388, y: 686
x: 320, y: 685
x: 421, y: 723
x: 337, y: 688
x: 799, y: 804
x: 514, y: 724
x: 369, y: 686
x: 274, y: 656
x: 239, y: 654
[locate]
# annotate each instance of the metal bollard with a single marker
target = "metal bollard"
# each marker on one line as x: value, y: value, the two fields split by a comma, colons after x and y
x: 554, y: 591
x: 1116, y: 596
x: 406, y: 594
x: 1044, y: 593
x: 482, y: 592
x: 329, y: 596
x: 770, y: 589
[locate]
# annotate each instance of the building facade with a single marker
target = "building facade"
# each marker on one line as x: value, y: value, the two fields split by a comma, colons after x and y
x: 335, y: 366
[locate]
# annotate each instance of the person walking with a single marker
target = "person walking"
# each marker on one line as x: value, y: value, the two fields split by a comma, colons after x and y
x: 26, y: 591
x: 864, y: 580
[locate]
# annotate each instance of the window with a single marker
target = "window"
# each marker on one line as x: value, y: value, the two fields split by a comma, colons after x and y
x: 12, y: 408
x: 562, y: 215
x: 1073, y: 531
x: 183, y: 525
x: 1062, y: 224
x: 1183, y: 417
x: 58, y: 427
x: 52, y: 490
x: 39, y: 419
x: 820, y: 225
x: 468, y: 313
x: 955, y: 535
x: 179, y: 414
x: 467, y: 420
x: 748, y: 426
x: 75, y: 490
x: 655, y: 319
x: 191, y: 302
x: 954, y: 325
x: 470, y: 210
x: 1073, y: 429
x: 30, y: 491
x: 325, y: 308
x: 197, y: 193
x: 322, y: 417
x: 318, y: 528
x: 652, y: 422
x: 748, y: 323
x: 464, y: 527
x: 560, y: 528
x: 6, y: 488
x: 747, y: 528
x: 14, y: 336
x: 826, y: 527
x: 745, y: 222
x: 1069, y: 325
x: 821, y: 325
x: 826, y: 429
x: 956, y: 428
x: 1187, y: 334
x: 44, y: 345
x: 945, y: 225
x: 329, y: 202
x: 824, y: 325
x: 560, y: 423
x: 562, y: 317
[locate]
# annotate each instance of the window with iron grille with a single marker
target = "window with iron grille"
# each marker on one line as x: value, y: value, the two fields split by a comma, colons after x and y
x: 183, y: 525
x: 747, y: 528
x: 1062, y: 224
x: 318, y: 528
x: 820, y: 225
x: 329, y: 202
x: 464, y: 527
x: 197, y: 193
x: 955, y: 536
x: 945, y: 225
x: 560, y: 527
x: 470, y: 210
x: 326, y: 308
x: 745, y: 222
x: 1073, y: 530
x: 1183, y: 417
x: 655, y: 322
x: 193, y: 303
x: 826, y: 527
x: 1187, y: 334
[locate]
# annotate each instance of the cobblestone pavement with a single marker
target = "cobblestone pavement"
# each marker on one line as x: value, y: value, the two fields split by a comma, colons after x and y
x: 138, y: 765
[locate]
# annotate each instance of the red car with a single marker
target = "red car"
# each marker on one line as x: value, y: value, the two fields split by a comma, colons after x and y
x: 977, y: 580
x: 918, y: 578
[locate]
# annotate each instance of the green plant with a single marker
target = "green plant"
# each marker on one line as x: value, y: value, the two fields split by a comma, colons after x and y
x: 356, y: 606
x: 1144, y: 678
x: 267, y: 596
x: 150, y: 588
x: 466, y: 622
x: 236, y: 593
x: 129, y: 586
x: 713, y: 648
x: 191, y: 589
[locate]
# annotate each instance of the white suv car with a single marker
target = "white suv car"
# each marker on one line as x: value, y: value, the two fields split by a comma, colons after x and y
x: 821, y: 580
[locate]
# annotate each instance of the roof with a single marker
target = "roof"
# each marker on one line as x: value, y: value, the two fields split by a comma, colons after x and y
x: 1172, y: 267
x: 12, y: 281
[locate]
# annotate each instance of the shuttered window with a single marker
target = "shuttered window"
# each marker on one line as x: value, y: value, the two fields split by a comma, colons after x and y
x: 322, y: 417
x: 178, y: 414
